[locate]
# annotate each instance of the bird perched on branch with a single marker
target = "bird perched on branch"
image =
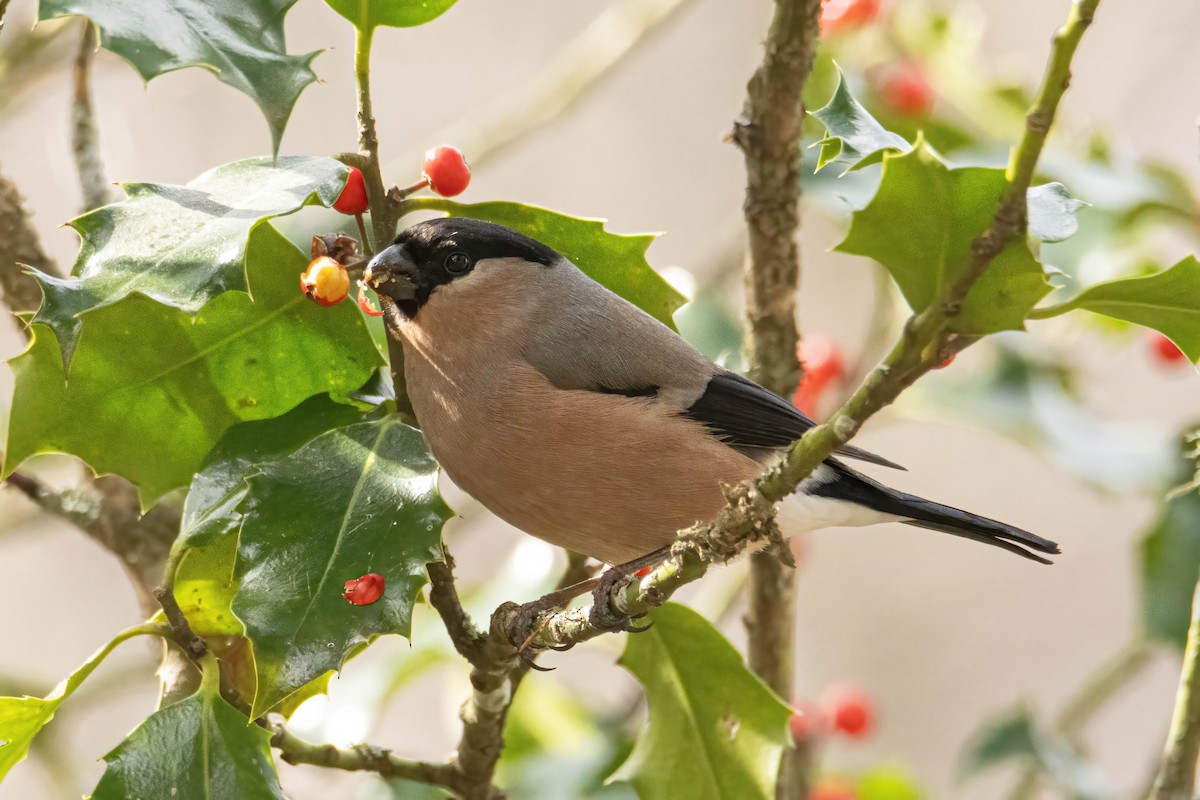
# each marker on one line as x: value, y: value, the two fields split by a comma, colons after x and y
x: 577, y: 417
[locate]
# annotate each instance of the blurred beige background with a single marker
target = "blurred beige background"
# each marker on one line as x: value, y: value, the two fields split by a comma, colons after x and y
x: 942, y: 633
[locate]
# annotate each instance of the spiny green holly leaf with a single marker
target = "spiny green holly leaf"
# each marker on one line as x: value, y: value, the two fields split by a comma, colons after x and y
x: 369, y: 14
x: 356, y: 500
x: 200, y: 748
x: 716, y: 732
x: 21, y: 718
x: 853, y: 136
x: 153, y: 390
x: 1051, y: 212
x: 920, y: 226
x: 1167, y: 301
x: 239, y: 41
x: 180, y: 245
x: 220, y: 486
x: 616, y: 261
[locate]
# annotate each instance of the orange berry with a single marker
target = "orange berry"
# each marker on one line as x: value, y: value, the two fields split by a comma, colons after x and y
x: 325, y: 281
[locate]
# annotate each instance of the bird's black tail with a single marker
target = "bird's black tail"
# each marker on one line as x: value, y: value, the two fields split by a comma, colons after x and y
x: 857, y: 488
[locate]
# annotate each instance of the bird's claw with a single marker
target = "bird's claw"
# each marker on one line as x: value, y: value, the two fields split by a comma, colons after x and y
x: 602, y: 614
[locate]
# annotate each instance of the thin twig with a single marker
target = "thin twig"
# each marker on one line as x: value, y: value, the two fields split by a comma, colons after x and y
x: 19, y: 245
x: 443, y: 596
x: 363, y: 758
x: 769, y: 135
x: 575, y: 69
x: 85, y: 136
x: 1177, y: 772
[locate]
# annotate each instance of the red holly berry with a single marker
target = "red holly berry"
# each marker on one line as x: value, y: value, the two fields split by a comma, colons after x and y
x: 325, y: 281
x: 365, y: 590
x: 823, y: 365
x: 446, y: 169
x: 353, y: 199
x: 839, y: 16
x: 947, y: 362
x: 1165, y: 351
x: 849, y: 709
x: 366, y: 303
x: 904, y: 90
x: 643, y: 572
x: 808, y: 721
x: 833, y: 789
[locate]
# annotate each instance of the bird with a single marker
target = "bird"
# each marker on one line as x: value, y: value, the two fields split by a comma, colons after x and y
x: 580, y: 419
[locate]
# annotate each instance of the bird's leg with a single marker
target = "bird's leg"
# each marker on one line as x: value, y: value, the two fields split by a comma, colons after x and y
x: 602, y: 615
x: 521, y: 629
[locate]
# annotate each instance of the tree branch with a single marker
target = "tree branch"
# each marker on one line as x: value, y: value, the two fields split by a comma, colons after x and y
x: 19, y: 244
x: 443, y: 596
x: 1177, y: 772
x: 769, y: 134
x: 85, y: 137
x: 364, y: 758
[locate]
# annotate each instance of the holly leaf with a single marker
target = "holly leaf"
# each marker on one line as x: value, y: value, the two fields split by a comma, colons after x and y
x: 200, y: 747
x: 920, y: 226
x: 153, y: 390
x: 356, y: 500
x: 22, y: 718
x: 853, y: 137
x: 180, y: 245
x: 1015, y: 736
x: 210, y: 508
x: 616, y: 261
x: 1051, y: 212
x: 715, y: 730
x: 239, y: 41
x: 1167, y: 301
x: 1170, y: 561
x: 369, y: 14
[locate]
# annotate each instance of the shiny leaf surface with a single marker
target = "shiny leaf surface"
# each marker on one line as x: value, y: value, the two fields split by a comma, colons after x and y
x: 358, y: 499
x: 715, y: 732
x: 239, y: 41
x: 179, y: 245
x: 153, y: 390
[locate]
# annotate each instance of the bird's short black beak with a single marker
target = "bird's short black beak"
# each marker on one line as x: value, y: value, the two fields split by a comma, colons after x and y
x: 393, y: 274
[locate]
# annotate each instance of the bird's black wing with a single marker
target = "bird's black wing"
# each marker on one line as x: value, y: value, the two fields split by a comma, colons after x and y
x: 743, y: 414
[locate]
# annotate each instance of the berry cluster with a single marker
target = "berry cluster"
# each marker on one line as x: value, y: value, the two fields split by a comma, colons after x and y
x: 327, y: 279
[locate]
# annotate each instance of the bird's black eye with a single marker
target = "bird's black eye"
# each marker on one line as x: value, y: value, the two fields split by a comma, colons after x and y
x: 457, y: 263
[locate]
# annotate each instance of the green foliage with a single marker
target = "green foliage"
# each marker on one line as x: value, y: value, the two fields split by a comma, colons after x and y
x: 1170, y: 555
x: 888, y: 783
x: 617, y: 261
x: 152, y: 390
x: 239, y: 41
x: 21, y: 718
x: 920, y: 226
x: 853, y: 137
x: 180, y: 245
x: 715, y: 732
x: 358, y: 499
x: 369, y: 14
x: 1167, y: 301
x: 200, y: 748
x: 1015, y: 737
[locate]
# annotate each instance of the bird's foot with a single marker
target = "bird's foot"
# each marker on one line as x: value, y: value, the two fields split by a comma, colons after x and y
x: 523, y: 622
x: 603, y: 615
